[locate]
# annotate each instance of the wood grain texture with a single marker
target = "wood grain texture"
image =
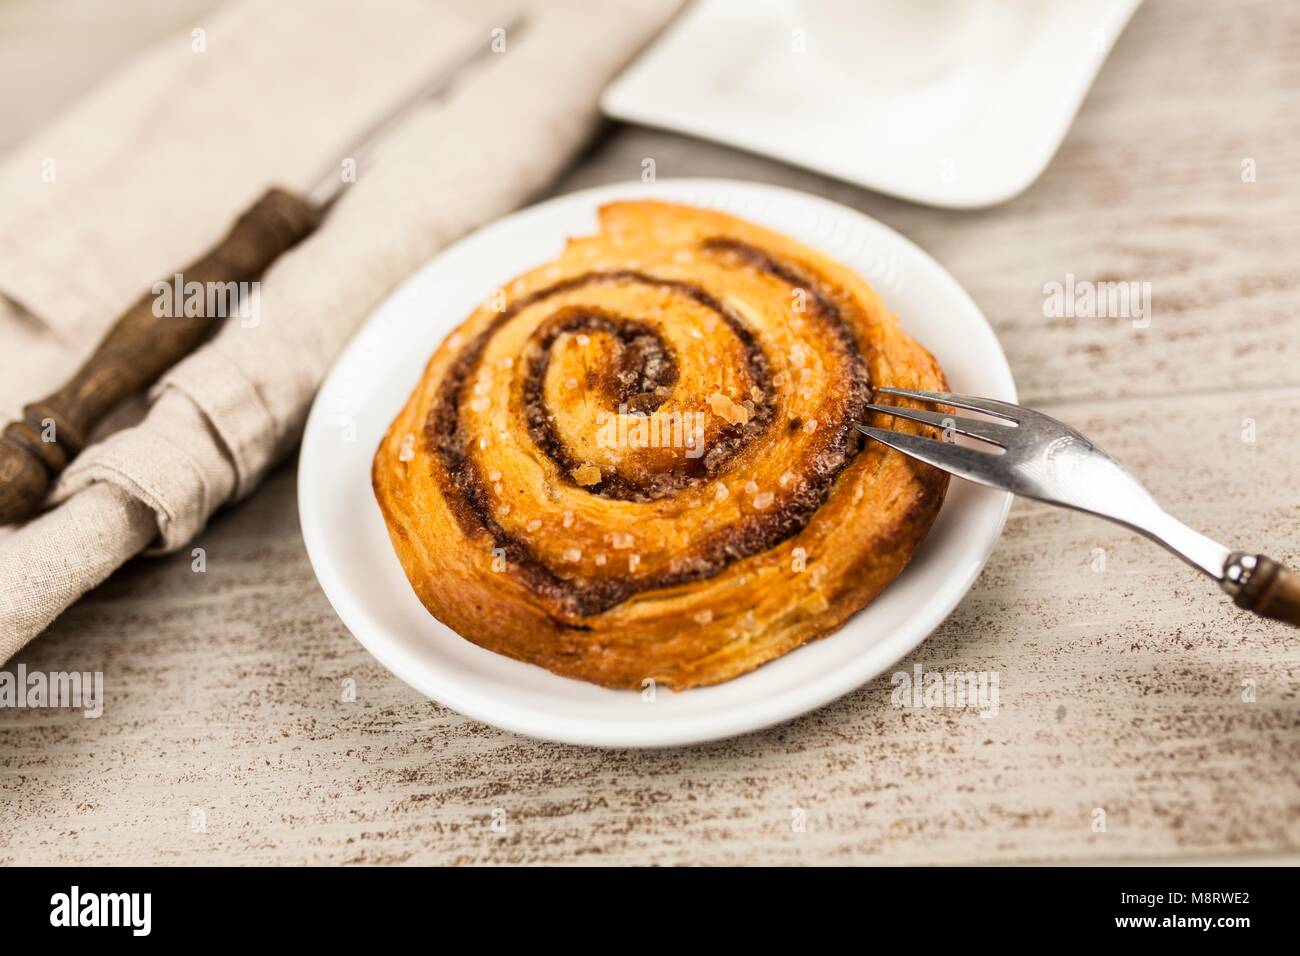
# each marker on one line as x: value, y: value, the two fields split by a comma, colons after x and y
x: 1124, y: 678
x: 1272, y: 590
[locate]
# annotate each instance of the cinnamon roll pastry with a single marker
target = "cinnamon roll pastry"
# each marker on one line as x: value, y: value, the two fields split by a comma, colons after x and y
x: 639, y: 463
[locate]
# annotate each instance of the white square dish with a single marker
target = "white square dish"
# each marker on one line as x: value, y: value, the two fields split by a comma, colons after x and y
x: 948, y: 103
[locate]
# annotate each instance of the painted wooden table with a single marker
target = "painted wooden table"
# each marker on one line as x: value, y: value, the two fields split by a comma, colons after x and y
x: 1140, y: 715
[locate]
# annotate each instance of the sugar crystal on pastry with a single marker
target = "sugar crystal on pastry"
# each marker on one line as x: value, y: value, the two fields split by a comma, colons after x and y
x: 668, y: 311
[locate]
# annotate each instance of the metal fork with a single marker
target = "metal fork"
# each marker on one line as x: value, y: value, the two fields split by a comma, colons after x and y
x: 1048, y: 460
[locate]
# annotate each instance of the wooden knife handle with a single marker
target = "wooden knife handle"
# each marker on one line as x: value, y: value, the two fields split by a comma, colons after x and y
x: 1269, y: 589
x: 140, y: 346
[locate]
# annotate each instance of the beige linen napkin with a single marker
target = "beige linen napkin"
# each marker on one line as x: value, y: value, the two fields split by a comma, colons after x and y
x: 151, y: 169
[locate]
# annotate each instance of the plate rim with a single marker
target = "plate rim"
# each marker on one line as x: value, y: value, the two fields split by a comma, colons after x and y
x: 658, y: 732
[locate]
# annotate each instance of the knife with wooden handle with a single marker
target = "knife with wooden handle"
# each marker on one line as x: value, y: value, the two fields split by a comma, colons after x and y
x: 138, y: 348
x: 141, y: 345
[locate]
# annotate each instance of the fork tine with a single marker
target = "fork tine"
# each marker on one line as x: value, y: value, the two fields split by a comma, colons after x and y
x: 964, y: 462
x: 989, y: 406
x: 987, y: 431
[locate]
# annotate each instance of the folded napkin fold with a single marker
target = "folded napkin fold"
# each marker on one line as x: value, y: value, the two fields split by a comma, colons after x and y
x: 150, y: 170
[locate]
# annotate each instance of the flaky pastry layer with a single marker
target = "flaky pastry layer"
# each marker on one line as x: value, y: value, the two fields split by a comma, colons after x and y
x: 638, y: 462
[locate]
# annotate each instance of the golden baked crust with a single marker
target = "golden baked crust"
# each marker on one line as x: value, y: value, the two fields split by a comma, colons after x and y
x: 638, y: 461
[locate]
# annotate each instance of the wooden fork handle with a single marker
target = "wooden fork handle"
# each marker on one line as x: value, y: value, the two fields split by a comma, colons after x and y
x: 1269, y: 589
x: 140, y: 346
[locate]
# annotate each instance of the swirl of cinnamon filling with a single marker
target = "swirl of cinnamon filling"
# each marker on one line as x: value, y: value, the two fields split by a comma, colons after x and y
x: 639, y: 462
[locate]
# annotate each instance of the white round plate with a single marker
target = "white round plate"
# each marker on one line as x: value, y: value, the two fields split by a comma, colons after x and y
x: 360, y: 574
